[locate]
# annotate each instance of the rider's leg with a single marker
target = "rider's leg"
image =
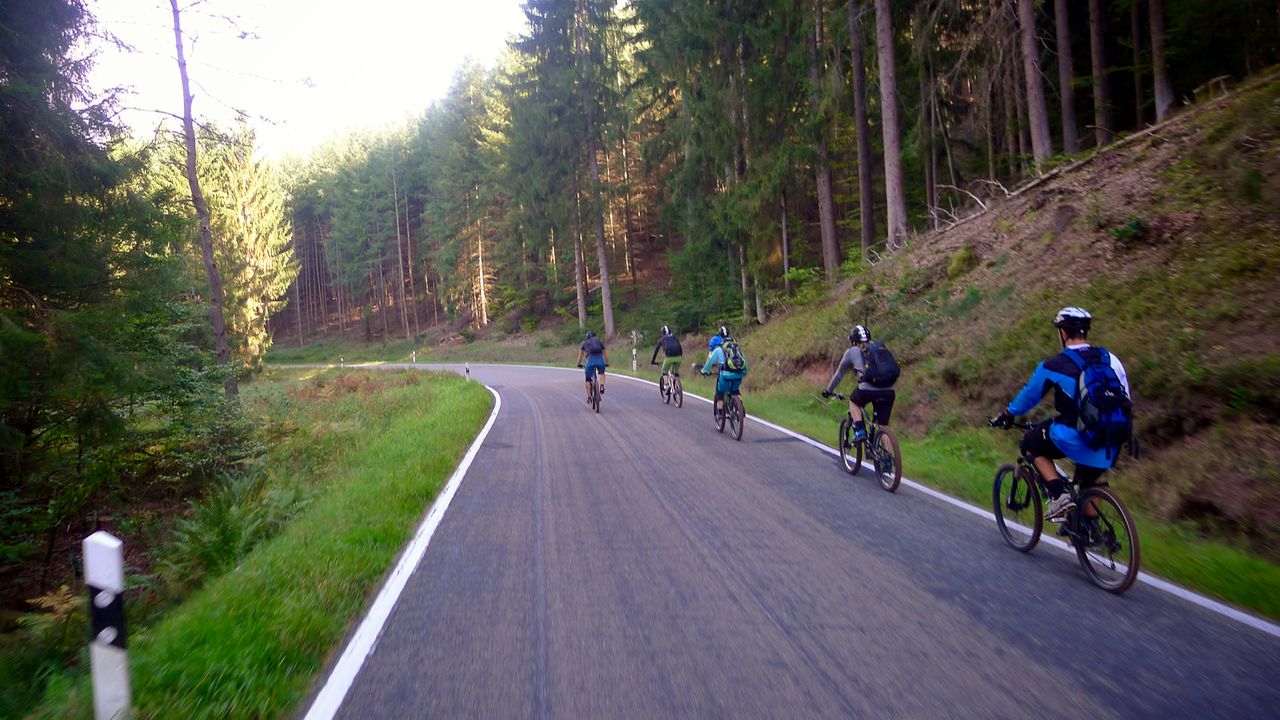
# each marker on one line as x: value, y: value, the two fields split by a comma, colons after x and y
x: 1037, y: 444
x: 856, y: 400
x: 1086, y: 477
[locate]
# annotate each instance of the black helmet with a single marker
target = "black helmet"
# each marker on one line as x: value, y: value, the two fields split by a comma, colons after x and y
x: 724, y: 331
x: 664, y: 331
x: 1073, y: 320
x: 859, y: 334
x: 591, y: 334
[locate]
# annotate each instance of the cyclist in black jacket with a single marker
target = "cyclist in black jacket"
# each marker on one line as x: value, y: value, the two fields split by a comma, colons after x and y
x: 669, y: 344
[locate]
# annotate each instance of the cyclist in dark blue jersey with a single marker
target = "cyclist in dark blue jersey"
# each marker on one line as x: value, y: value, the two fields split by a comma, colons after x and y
x: 597, y: 357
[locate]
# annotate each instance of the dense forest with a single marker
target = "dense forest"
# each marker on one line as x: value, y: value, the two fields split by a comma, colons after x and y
x: 748, y: 147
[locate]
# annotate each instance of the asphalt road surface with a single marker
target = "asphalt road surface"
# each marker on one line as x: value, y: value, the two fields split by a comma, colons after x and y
x: 637, y: 564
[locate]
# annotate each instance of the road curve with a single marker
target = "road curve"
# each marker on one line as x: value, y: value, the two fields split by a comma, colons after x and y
x: 637, y: 564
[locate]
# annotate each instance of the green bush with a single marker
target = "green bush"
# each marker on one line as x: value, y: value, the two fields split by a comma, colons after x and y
x: 962, y: 261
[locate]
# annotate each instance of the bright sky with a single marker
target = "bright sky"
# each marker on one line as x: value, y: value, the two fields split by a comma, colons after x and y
x: 308, y: 69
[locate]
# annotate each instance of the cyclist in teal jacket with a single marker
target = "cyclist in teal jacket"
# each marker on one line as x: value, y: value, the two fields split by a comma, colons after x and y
x: 728, y: 381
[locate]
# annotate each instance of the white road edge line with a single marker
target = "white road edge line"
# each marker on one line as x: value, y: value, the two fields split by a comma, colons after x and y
x: 1154, y: 581
x: 366, y: 636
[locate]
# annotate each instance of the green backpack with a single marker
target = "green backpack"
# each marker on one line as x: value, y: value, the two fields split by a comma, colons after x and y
x: 734, y: 360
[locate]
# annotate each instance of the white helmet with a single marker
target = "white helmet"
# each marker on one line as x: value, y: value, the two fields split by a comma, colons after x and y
x: 859, y: 334
x: 1073, y: 319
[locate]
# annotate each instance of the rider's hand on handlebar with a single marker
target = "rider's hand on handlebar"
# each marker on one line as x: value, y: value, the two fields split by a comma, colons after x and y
x: 826, y: 394
x: 1003, y: 420
x: 579, y: 364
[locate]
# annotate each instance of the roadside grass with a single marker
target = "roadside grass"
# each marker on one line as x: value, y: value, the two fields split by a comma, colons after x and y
x: 962, y: 463
x: 372, y: 455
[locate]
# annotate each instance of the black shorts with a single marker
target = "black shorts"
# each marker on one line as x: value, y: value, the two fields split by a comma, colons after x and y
x: 881, y: 400
x: 1037, y: 443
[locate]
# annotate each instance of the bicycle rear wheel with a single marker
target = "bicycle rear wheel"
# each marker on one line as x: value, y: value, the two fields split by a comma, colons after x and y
x: 850, y: 452
x: 737, y: 417
x: 888, y: 458
x: 677, y: 390
x: 1019, y: 513
x: 1107, y: 544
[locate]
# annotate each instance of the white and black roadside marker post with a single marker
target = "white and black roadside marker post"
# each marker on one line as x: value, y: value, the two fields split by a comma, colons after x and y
x: 108, y: 658
x: 414, y: 357
x: 466, y: 366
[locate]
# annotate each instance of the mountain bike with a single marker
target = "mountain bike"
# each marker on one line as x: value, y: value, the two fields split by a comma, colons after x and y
x: 1099, y: 527
x: 881, y: 447
x: 732, y: 412
x: 670, y: 388
x: 595, y: 391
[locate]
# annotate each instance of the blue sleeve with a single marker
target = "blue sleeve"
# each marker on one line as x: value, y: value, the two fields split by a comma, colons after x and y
x: 1031, y: 393
x: 715, y: 358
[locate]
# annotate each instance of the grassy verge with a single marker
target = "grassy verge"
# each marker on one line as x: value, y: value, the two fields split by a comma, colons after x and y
x: 249, y: 643
x: 962, y: 462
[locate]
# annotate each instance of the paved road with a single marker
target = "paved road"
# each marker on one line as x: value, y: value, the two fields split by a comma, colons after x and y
x: 638, y: 564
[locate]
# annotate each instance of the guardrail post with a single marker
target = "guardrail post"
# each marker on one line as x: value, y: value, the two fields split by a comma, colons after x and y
x: 108, y: 657
x: 633, y: 359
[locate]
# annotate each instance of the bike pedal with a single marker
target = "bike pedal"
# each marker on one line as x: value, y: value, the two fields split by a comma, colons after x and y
x: 1060, y: 519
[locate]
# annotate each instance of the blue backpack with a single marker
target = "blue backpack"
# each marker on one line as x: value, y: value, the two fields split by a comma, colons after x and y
x: 1104, y: 412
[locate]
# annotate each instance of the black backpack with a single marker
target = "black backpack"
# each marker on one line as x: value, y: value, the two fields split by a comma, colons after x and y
x: 882, y: 369
x: 671, y: 346
x: 593, y: 346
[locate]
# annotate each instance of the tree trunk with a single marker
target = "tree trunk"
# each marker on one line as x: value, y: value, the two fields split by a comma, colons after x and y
x: 822, y: 171
x: 760, y: 314
x: 1103, y: 125
x: 1037, y: 109
x: 216, y: 294
x: 1160, y: 71
x: 1135, y: 35
x: 626, y: 197
x: 413, y: 287
x: 1008, y: 90
x: 606, y: 297
x: 297, y: 307
x: 1066, y: 77
x: 1020, y: 105
x: 382, y: 298
x: 895, y: 190
x: 746, y: 285
x: 866, y: 198
x: 786, y: 249
x: 484, y: 294
x: 395, y: 194
x: 579, y: 272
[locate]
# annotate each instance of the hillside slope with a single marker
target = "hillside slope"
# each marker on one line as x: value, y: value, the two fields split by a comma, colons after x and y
x: 1170, y: 240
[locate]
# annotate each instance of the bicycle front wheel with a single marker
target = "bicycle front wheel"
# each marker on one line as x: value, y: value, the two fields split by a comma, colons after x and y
x: 888, y: 459
x: 1018, y: 510
x: 1107, y: 543
x: 677, y: 391
x: 850, y: 452
x: 664, y: 388
x: 724, y: 410
x: 737, y: 417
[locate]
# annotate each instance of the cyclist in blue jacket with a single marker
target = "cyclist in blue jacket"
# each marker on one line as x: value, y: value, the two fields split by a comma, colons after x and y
x: 1060, y: 437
